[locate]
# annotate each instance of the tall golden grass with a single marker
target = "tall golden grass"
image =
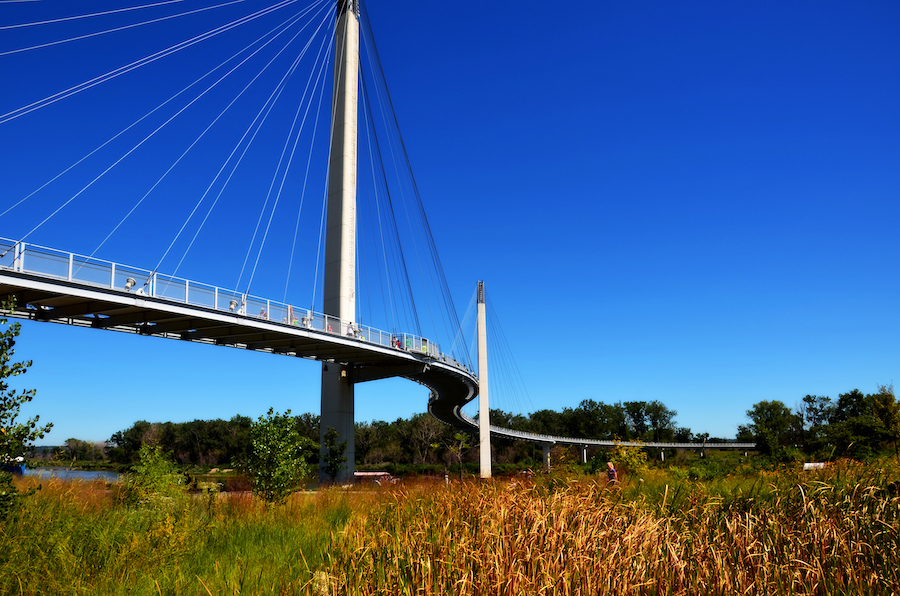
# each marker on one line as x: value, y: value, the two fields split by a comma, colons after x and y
x: 821, y: 535
x: 832, y: 532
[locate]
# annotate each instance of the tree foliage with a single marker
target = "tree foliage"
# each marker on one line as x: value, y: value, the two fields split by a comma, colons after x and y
x: 154, y: 479
x: 199, y: 442
x: 856, y: 425
x: 277, y: 464
x: 334, y: 458
x: 15, y: 436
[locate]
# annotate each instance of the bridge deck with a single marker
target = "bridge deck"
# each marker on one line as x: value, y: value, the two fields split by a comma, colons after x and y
x: 48, y: 286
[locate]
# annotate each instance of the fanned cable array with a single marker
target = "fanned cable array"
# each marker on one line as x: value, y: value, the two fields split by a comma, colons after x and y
x: 193, y: 140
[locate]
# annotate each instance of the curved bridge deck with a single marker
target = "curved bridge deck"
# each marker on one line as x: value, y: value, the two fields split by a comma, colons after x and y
x: 54, y: 286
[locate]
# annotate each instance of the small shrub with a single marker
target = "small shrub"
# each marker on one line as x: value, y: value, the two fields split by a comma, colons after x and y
x: 154, y: 479
x: 632, y: 459
x: 277, y: 465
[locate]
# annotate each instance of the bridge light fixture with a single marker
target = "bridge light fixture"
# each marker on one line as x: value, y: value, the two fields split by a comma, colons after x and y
x: 130, y: 283
x: 233, y: 305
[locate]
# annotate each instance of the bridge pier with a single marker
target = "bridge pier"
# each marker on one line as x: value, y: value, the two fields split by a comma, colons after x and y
x: 337, y: 413
x: 584, y: 458
x: 545, y: 447
x: 340, y: 230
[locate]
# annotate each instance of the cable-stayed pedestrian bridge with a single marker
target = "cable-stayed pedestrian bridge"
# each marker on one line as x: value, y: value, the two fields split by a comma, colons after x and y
x: 55, y: 286
x: 233, y: 198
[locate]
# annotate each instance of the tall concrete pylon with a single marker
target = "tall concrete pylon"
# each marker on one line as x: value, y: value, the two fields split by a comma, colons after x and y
x: 484, y: 413
x: 340, y: 232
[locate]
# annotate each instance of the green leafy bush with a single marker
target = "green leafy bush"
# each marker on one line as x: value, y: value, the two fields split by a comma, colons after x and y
x: 277, y: 464
x: 154, y: 479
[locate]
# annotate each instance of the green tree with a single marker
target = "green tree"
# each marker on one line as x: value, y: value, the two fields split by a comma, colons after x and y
x: 637, y: 418
x: 78, y: 450
x: 661, y: 421
x: 15, y: 436
x: 458, y: 447
x: 333, y: 460
x: 772, y: 426
x: 887, y: 410
x: 123, y: 446
x: 632, y: 457
x: 277, y: 464
x: 861, y: 423
x: 154, y: 479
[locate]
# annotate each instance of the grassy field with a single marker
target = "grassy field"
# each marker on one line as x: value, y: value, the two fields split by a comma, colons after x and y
x: 835, y: 531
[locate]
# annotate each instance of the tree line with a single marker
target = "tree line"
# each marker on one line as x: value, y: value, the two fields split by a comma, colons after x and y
x: 421, y: 439
x: 856, y: 425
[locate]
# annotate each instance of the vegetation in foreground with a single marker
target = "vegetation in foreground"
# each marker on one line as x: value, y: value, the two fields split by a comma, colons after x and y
x: 833, y: 531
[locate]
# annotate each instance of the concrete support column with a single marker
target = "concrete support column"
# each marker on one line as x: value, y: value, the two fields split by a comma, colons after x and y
x: 662, y: 455
x: 337, y: 413
x: 340, y: 228
x: 484, y: 413
x: 546, y: 448
x: 583, y: 453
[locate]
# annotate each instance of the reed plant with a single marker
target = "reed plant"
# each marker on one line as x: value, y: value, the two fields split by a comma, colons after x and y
x: 829, y: 533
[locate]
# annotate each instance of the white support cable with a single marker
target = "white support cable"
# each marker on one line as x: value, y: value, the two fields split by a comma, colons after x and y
x: 444, y: 288
x: 398, y: 255
x: 218, y: 174
x: 138, y: 63
x: 308, y: 167
x: 114, y: 30
x: 469, y: 313
x: 312, y: 301
x: 270, y: 102
x: 392, y: 317
x: 284, y: 27
x: 88, y: 16
x: 289, y: 163
x: 394, y: 163
x: 135, y: 123
x: 144, y: 140
x: 508, y: 366
x: 426, y: 273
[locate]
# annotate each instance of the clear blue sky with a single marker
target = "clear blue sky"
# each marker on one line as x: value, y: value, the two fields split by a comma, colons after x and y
x: 692, y: 202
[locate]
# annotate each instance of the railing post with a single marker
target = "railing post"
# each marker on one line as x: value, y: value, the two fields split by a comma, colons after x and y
x: 71, y: 261
x: 18, y: 258
x: 187, y: 293
x: 216, y: 297
x: 112, y: 276
x: 153, y: 286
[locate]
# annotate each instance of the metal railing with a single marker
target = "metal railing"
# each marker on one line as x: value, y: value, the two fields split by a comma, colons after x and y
x: 46, y: 262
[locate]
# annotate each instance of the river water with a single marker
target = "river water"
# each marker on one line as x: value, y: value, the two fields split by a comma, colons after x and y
x: 70, y: 474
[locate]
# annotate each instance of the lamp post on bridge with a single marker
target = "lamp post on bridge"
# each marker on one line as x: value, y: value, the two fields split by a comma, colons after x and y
x: 340, y: 235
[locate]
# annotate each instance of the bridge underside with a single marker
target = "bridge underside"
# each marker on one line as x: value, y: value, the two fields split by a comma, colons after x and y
x: 40, y: 299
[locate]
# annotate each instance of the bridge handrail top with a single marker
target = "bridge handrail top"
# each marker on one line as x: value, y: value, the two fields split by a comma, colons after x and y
x: 411, y: 343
